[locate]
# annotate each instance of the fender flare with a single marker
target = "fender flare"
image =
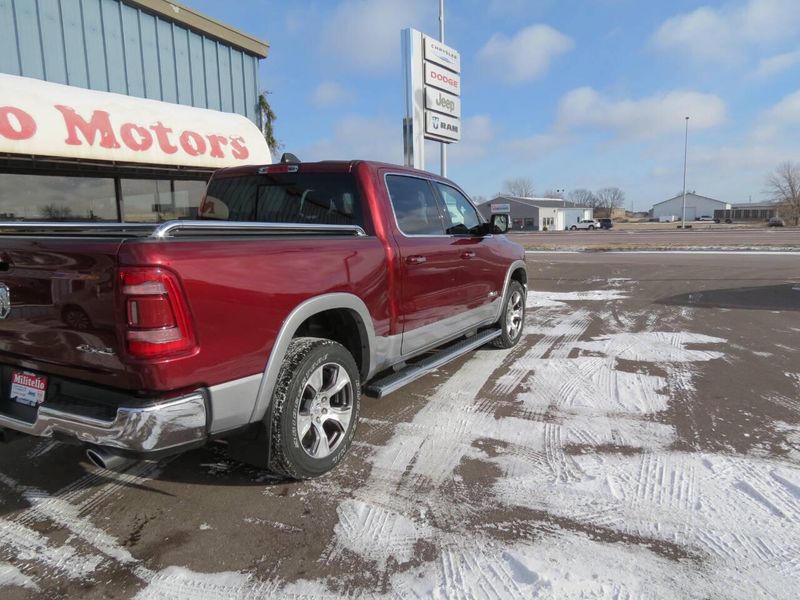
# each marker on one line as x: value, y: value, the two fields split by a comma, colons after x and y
x: 515, y: 266
x: 291, y: 324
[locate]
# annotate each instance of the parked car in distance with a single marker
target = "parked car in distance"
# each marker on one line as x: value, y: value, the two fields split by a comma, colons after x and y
x: 606, y: 223
x: 585, y: 224
x: 705, y: 218
x: 776, y: 222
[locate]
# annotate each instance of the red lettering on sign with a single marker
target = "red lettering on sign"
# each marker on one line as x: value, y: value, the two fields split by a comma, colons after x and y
x: 216, y: 141
x: 162, y: 134
x: 98, y: 124
x: 23, y: 129
x: 192, y: 143
x: 144, y: 141
x: 239, y: 149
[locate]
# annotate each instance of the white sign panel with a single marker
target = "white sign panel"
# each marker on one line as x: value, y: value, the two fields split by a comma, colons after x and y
x: 501, y: 209
x: 441, y: 126
x: 442, y: 102
x: 437, y: 52
x: 49, y: 119
x: 442, y: 78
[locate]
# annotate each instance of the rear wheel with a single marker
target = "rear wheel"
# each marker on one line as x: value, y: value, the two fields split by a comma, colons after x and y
x: 315, y: 410
x: 513, y: 318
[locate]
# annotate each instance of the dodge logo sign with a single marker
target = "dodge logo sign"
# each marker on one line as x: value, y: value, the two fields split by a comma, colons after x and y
x: 5, y: 301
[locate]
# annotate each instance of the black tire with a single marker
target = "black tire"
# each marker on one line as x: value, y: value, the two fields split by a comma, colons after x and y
x: 512, y: 320
x: 294, y: 403
x: 591, y: 227
x: 573, y: 228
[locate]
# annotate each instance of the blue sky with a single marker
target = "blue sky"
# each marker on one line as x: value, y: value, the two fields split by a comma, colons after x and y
x: 569, y: 93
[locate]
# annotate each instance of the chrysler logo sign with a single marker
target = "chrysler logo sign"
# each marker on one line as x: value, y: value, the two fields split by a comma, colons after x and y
x: 5, y: 301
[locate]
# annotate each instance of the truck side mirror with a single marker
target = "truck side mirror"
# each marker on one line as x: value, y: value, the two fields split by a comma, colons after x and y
x: 499, y: 224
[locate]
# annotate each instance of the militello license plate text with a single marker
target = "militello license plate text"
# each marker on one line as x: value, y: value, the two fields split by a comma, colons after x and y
x: 28, y: 388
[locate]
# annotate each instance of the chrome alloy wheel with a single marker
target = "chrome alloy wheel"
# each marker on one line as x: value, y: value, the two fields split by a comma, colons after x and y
x: 324, y: 410
x: 515, y: 312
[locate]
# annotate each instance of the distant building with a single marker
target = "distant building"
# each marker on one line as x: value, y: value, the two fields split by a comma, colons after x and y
x: 536, y: 214
x: 751, y: 211
x: 696, y: 206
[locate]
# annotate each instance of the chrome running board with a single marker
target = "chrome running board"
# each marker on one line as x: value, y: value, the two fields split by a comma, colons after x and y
x: 382, y: 387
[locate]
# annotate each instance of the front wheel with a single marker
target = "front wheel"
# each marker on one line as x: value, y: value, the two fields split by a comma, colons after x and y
x: 591, y: 227
x: 573, y: 228
x: 513, y: 317
x: 316, y: 404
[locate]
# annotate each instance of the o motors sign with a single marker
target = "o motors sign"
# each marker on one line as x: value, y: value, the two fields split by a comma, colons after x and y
x: 39, y: 118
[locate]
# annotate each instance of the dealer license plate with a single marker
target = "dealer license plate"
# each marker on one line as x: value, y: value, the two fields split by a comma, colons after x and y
x: 28, y: 388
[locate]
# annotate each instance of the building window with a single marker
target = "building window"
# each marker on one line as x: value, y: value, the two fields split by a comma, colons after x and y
x: 56, y: 198
x: 156, y: 200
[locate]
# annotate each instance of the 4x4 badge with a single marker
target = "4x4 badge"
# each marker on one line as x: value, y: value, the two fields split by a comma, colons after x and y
x: 5, y: 301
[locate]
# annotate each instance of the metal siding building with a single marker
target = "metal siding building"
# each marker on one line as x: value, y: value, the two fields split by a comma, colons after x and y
x: 143, y: 48
x: 534, y: 214
x: 696, y: 206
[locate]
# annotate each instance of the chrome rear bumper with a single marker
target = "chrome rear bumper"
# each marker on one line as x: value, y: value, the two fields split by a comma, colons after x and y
x: 155, y: 428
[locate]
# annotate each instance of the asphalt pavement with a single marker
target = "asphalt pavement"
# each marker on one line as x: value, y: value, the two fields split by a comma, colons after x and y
x: 697, y: 237
x: 641, y: 441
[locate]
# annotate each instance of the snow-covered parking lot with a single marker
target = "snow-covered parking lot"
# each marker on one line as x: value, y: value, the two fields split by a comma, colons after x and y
x: 642, y: 442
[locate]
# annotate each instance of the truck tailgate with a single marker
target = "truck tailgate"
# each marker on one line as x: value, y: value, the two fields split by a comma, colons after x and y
x: 59, y: 315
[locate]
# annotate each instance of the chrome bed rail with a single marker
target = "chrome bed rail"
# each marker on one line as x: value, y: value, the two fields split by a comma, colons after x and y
x: 168, y: 229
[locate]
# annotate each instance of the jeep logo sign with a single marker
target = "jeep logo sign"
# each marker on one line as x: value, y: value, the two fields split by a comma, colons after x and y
x: 442, y: 102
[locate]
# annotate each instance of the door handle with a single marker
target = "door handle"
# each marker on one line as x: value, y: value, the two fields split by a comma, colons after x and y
x: 416, y: 260
x: 468, y: 254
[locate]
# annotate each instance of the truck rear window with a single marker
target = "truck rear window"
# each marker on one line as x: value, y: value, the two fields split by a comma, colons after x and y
x: 323, y: 198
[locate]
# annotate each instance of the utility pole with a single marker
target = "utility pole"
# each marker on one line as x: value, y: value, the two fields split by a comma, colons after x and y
x: 442, y: 145
x: 685, y: 150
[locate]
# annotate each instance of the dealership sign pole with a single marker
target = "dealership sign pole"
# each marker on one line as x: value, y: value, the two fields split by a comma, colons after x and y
x: 432, y: 89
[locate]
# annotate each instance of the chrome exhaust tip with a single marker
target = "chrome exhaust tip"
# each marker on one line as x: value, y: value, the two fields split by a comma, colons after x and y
x: 107, y: 459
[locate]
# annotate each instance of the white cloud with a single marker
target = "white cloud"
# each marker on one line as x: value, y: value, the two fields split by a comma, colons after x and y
x: 365, y: 34
x: 643, y: 118
x: 524, y: 56
x: 360, y: 137
x: 330, y: 93
x: 773, y: 65
x: 477, y: 136
x: 724, y: 35
x: 772, y: 124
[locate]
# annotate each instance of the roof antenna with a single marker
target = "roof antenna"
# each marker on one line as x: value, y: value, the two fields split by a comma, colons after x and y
x: 288, y: 157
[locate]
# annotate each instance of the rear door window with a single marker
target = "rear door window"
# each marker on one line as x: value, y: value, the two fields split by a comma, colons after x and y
x: 415, y: 206
x: 314, y: 198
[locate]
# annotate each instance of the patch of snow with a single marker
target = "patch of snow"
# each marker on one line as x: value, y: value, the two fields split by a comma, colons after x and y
x: 376, y: 533
x: 559, y: 299
x: 11, y: 575
x: 178, y: 583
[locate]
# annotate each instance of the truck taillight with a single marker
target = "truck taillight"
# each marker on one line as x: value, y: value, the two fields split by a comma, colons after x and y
x: 157, y: 319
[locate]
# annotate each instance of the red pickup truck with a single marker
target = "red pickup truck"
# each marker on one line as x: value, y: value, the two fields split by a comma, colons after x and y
x: 298, y: 286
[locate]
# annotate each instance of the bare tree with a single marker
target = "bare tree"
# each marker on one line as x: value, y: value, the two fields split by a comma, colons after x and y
x: 521, y: 187
x: 583, y: 197
x: 55, y: 212
x: 554, y: 194
x: 783, y: 184
x: 610, y: 197
x: 479, y: 199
